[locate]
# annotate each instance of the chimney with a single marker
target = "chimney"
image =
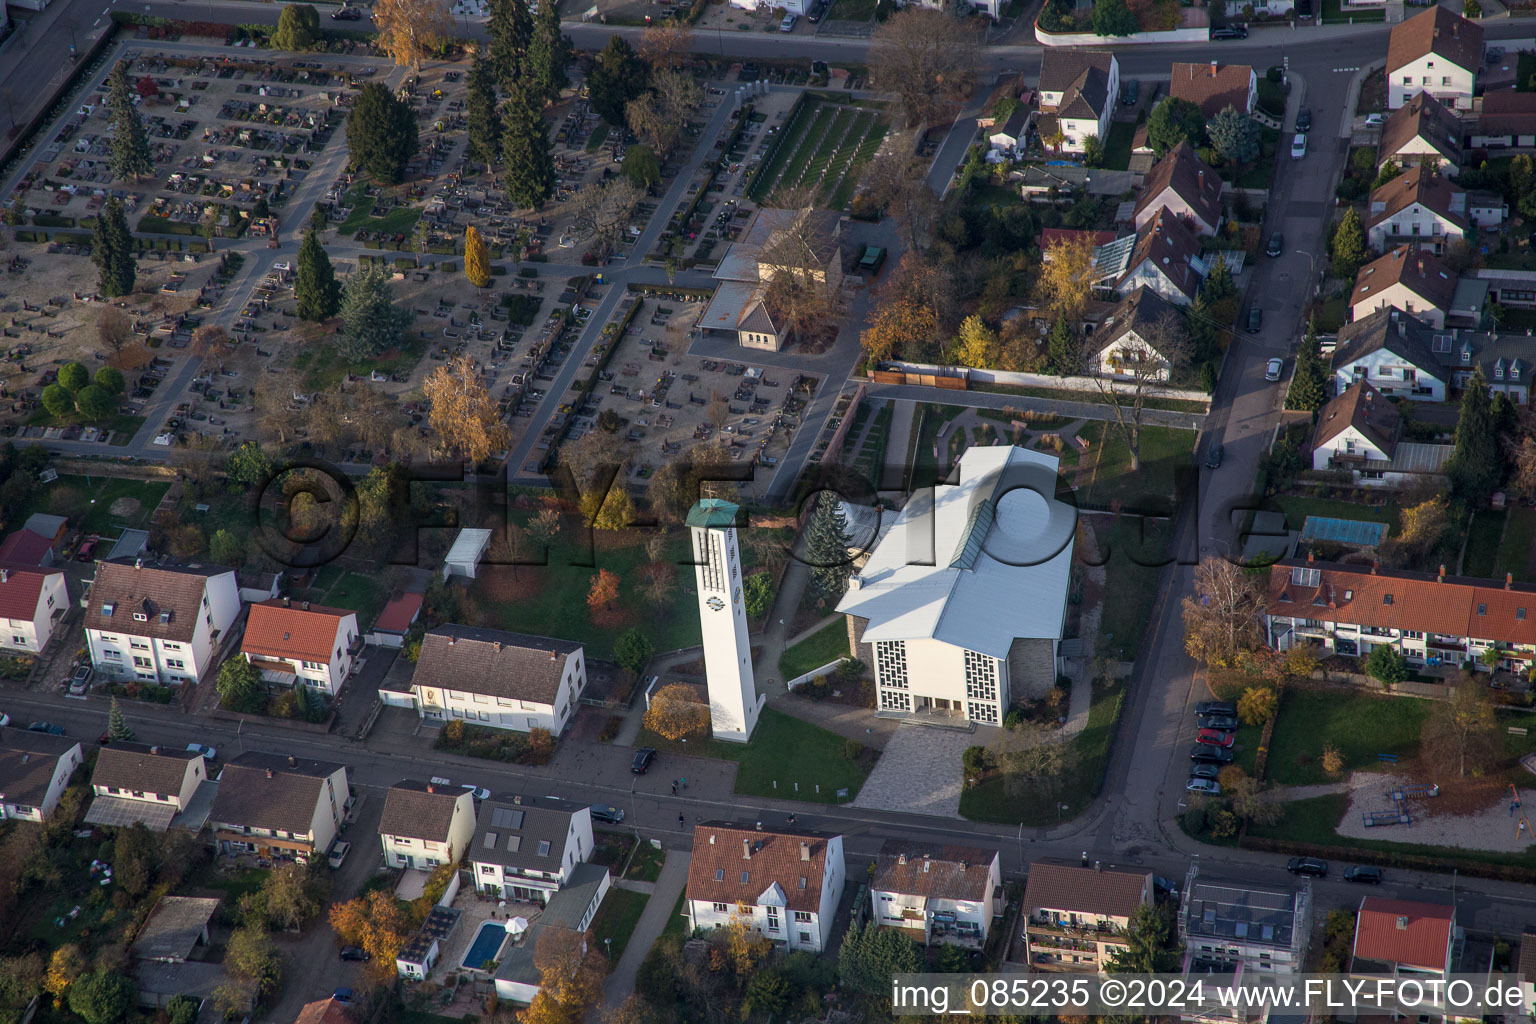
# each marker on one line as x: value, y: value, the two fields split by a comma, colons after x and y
x: 269, y: 773
x: 1509, y: 581
x: 496, y: 646
x: 1442, y: 572
x: 1200, y: 179
x: 293, y: 762
x: 431, y: 788
x: 5, y: 575
x: 138, y: 563
x: 1311, y: 557
x: 746, y: 849
x: 554, y: 655
x: 154, y: 750
x: 306, y: 606
x: 805, y: 851
x: 1374, y: 567
x: 517, y: 798
x: 901, y: 858
x: 287, y: 602
x: 1213, y: 69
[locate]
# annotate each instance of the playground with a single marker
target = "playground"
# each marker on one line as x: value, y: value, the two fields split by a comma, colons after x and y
x: 1399, y: 809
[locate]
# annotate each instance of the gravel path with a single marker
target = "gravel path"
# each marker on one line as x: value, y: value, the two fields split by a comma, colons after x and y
x: 1494, y: 829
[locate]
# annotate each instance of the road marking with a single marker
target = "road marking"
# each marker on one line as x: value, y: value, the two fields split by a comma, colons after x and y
x: 1340, y: 71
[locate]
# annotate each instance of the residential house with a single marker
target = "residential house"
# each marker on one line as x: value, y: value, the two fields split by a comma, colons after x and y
x: 1359, y: 430
x: 526, y: 848
x: 1129, y: 335
x: 1398, y: 354
x: 1432, y: 619
x: 1508, y: 362
x: 569, y: 910
x: 425, y: 824
x: 325, y: 1011
x: 803, y: 244
x: 293, y: 642
x: 1062, y: 72
x: 1406, y: 278
x: 135, y: 783
x: 1084, y: 112
x: 1213, y: 86
x: 32, y: 603
x: 966, y: 634
x: 784, y: 884
x: 1438, y: 52
x: 1506, y: 119
x: 1422, y: 131
x: 938, y: 893
x: 282, y: 808
x: 1166, y: 259
x: 1230, y: 926
x: 493, y: 678
x: 1075, y: 917
x: 34, y: 772
x: 1405, y: 938
x: 1007, y: 139
x: 169, y: 952
x: 159, y: 623
x: 1181, y: 183
x: 1418, y: 208
x: 26, y: 547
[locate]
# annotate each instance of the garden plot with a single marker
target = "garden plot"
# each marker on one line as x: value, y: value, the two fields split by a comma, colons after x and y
x: 822, y: 149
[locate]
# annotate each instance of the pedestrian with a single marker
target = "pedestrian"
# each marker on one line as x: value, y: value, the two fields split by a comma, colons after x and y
x: 791, y: 819
x: 674, y: 789
x: 679, y: 821
x: 685, y: 783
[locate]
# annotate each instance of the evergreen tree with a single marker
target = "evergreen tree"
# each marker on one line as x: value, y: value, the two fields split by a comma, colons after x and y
x: 117, y: 728
x: 1063, y: 351
x: 128, y: 155
x: 112, y: 250
x: 1348, y: 248
x: 371, y: 322
x: 381, y: 134
x: 511, y: 29
x: 298, y: 28
x: 314, y: 287
x: 549, y: 53
x: 1174, y: 121
x: 1151, y: 945
x: 826, y: 547
x: 618, y: 77
x: 1234, y: 136
x: 870, y: 955
x: 484, y: 121
x: 527, y: 167
x: 477, y: 258
x: 1309, y: 384
x: 1477, y: 462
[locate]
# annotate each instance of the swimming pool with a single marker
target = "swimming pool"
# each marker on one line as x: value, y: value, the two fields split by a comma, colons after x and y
x: 488, y: 942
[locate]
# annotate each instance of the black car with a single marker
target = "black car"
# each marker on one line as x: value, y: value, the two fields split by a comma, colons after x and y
x: 603, y: 812
x: 1304, y: 120
x: 47, y: 727
x: 1364, y: 875
x: 643, y: 758
x: 1230, y: 32
x: 1255, y: 319
x: 355, y: 953
x: 1208, y: 753
x: 1130, y: 92
x: 1226, y: 723
x: 1307, y: 866
x: 816, y: 12
x: 1215, y: 707
x: 1213, y: 457
x: 1204, y: 770
x: 1276, y: 245
x: 347, y: 14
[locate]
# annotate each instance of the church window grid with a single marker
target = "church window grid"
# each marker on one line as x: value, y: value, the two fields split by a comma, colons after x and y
x: 891, y: 661
x: 980, y: 677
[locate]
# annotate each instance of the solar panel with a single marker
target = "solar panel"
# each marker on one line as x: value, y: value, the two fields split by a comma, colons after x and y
x: 506, y: 817
x: 1355, y: 532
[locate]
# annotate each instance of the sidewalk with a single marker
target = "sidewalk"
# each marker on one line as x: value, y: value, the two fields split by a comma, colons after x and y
x: 658, y: 911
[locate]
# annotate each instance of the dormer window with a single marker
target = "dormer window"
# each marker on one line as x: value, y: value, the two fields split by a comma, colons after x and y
x: 140, y: 617
x: 1349, y: 595
x: 1386, y: 598
x: 1482, y: 609
x: 107, y: 610
x: 165, y: 618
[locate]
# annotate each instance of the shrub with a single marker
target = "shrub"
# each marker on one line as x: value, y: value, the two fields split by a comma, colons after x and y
x: 852, y: 749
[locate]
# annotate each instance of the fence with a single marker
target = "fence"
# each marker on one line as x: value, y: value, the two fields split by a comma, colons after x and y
x: 835, y: 442
x: 1178, y: 35
x: 813, y: 673
x: 915, y: 373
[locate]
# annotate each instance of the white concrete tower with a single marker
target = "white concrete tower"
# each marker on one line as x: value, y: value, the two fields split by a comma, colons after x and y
x: 733, y: 699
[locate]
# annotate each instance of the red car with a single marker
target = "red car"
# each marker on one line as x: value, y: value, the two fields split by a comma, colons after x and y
x: 1215, y: 738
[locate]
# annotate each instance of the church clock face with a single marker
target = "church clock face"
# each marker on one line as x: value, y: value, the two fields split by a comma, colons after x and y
x: 715, y: 604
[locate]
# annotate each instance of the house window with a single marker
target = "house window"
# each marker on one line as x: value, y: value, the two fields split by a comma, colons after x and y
x: 19, y: 641
x: 139, y: 662
x: 486, y: 869
x: 175, y: 663
x: 979, y: 712
x: 894, y: 700
x: 773, y: 918
x: 802, y: 917
x: 805, y: 937
x: 719, y: 874
x: 721, y: 908
x: 139, y: 645
x: 891, y: 663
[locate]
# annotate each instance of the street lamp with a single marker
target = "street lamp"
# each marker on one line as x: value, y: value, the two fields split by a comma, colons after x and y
x: 1311, y: 270
x: 608, y: 946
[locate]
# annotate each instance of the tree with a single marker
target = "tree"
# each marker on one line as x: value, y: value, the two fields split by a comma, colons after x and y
x: 976, y: 344
x: 410, y: 31
x: 1113, y: 18
x: 602, y: 211
x: 477, y: 258
x: 1348, y: 250
x: 1221, y: 617
x: 1477, y: 464
x: 315, y: 291
x: 618, y: 77
x: 757, y: 594
x: 374, y: 922
x: 1309, y: 384
x: 1066, y: 279
x: 1461, y: 732
x: 465, y: 416
x: 544, y: 528
x: 483, y: 120
x: 117, y: 728
x: 1245, y: 796
x: 1522, y: 457
x: 913, y: 314
x: 112, y: 250
x: 298, y: 28
x: 510, y: 27
x: 182, y: 1009
x: 632, y: 650
x: 1064, y: 349
x: 871, y: 955
x: 1093, y: 151
x: 826, y: 547
x: 381, y: 131
x: 1423, y: 528
x: 676, y: 712
x: 1257, y: 705
x: 58, y: 401
x: 113, y: 329
x: 603, y: 592
x: 371, y: 323
x: 549, y: 53
x: 641, y: 166
x: 571, y: 974
x: 110, y: 380
x: 898, y: 184
x: 660, y: 44
x: 239, y: 686
x: 1149, y: 945
x: 1234, y: 136
x: 926, y: 57
x: 94, y: 403
x: 248, y: 467
x: 65, y: 965
x: 295, y: 893
x: 657, y: 115
x: 1174, y: 121
x: 527, y: 167
x: 102, y: 998
x: 128, y: 152
x: 224, y: 548
x: 73, y: 377
x: 1141, y: 370
x: 252, y: 957
x: 1389, y: 170
x: 1386, y: 665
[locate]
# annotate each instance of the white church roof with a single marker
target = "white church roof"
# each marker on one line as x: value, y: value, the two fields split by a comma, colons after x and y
x: 974, y: 564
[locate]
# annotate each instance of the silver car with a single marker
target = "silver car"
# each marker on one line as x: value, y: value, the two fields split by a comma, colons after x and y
x: 1208, y: 786
x: 1273, y: 369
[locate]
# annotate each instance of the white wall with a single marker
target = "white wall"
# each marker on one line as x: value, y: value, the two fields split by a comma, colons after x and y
x: 1340, y: 446
x: 63, y: 769
x: 1041, y: 380
x: 1403, y: 298
x: 506, y: 712
x: 1451, y: 85
x: 1384, y: 371
x: 1178, y: 35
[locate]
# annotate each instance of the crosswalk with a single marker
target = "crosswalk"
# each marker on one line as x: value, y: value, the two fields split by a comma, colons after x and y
x: 1341, y: 71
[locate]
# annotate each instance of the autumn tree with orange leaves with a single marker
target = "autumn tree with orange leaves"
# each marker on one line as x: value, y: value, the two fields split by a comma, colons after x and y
x: 410, y: 31
x: 377, y: 923
x: 602, y: 595
x: 570, y: 977
x: 465, y: 416
x: 914, y: 314
x: 676, y: 712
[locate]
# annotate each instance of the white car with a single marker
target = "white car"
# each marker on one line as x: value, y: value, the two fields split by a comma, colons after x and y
x: 788, y: 24
x: 1273, y: 369
x: 282, y: 265
x: 209, y: 753
x: 477, y: 793
x: 1375, y: 120
x: 338, y: 853
x: 5, y: 719
x: 1298, y: 147
x: 1210, y: 786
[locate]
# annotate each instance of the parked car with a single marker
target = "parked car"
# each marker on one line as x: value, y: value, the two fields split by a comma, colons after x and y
x: 1200, y: 770
x: 1304, y: 120
x: 477, y: 792
x: 347, y: 14
x: 357, y: 953
x: 1226, y: 723
x: 87, y: 551
x: 1230, y: 32
x: 1215, y: 707
x: 1130, y: 92
x: 1211, y: 755
x: 643, y: 758
x: 80, y: 680
x: 1375, y: 120
x: 603, y: 812
x: 339, y: 850
x: 1307, y: 866
x: 343, y: 995
x: 47, y: 727
x: 1213, y: 457
x: 817, y: 12
x: 209, y: 753
x: 1298, y: 147
x: 1276, y: 245
x: 1215, y: 737
x: 1255, y: 319
x: 5, y: 719
x: 1274, y: 368
x: 1364, y: 875
x: 1208, y: 786
x: 788, y: 24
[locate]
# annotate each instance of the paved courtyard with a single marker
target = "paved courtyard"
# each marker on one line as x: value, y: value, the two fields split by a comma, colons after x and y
x: 919, y: 771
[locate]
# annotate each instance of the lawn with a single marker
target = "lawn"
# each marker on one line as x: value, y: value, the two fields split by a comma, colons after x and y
x: 1037, y: 805
x: 677, y: 924
x: 401, y: 218
x: 823, y: 147
x: 785, y: 752
x: 359, y: 593
x: 1297, y: 508
x: 1361, y: 726
x: 1153, y: 487
x: 1515, y: 552
x: 926, y: 469
x: 1332, y: 13
x: 645, y: 866
x: 1483, y: 535
x: 616, y: 919
x: 1117, y: 148
x: 87, y: 500
x: 826, y: 645
x: 1136, y: 551
x: 323, y: 366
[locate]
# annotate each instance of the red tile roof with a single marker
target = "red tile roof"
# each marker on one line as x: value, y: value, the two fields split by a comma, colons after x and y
x: 398, y: 615
x: 1439, y: 31
x: 723, y: 855
x: 1404, y: 932
x: 280, y: 629
x: 20, y: 588
x: 325, y: 1011
x: 1415, y: 269
x: 1507, y: 112
x: 24, y: 548
x: 1212, y: 87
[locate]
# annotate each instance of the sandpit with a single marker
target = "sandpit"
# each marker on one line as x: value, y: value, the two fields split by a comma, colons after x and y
x: 124, y: 508
x: 1493, y: 829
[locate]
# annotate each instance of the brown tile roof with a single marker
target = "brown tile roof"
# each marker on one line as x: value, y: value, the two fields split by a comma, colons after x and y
x: 325, y: 1011
x: 1419, y: 271
x: 933, y: 871
x: 1425, y: 117
x: 282, y: 629
x: 20, y: 588
x: 1417, y: 185
x: 1189, y: 178
x: 138, y: 766
x: 1440, y: 31
x: 264, y: 790
x: 1086, y: 97
x: 174, y: 592
x: 513, y: 830
x: 1060, y: 67
x: 493, y: 662
x: 27, y: 764
x: 720, y: 862
x: 420, y: 810
x: 1507, y: 112
x: 1211, y: 86
x: 1404, y: 932
x: 24, y: 547
x: 1142, y: 308
x: 1395, y: 330
x: 1053, y: 886
x: 1357, y: 595
x: 1170, y: 245
x: 1362, y: 407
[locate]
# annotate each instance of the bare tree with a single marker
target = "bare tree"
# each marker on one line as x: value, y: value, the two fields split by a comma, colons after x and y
x: 1461, y: 732
x: 278, y: 404
x: 208, y: 343
x: 1222, y: 616
x: 658, y: 115
x: 1033, y: 758
x: 603, y: 211
x: 661, y: 44
x: 114, y: 329
x: 898, y: 184
x: 1147, y: 359
x: 926, y: 57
